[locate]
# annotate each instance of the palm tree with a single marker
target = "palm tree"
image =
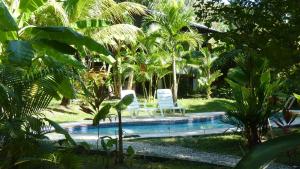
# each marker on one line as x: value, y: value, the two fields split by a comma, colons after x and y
x: 206, y: 77
x: 171, y: 17
x: 110, y: 23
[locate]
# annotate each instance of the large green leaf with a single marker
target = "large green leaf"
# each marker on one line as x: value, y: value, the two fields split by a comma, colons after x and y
x: 107, y: 58
x: 60, y: 47
x: 7, y: 22
x: 30, y: 5
x: 101, y: 115
x: 127, y: 100
x: 60, y: 130
x: 6, y: 36
x: 68, y: 36
x: 66, y: 89
x: 237, y: 75
x: 66, y: 60
x: 91, y: 23
x: 266, y: 152
x: 20, y: 53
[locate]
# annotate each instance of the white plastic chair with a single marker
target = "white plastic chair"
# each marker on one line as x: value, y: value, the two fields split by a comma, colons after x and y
x: 165, y: 101
x: 135, y: 107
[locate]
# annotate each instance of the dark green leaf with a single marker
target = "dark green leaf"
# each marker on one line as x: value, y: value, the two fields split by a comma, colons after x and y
x: 60, y: 47
x: 111, y: 142
x: 130, y: 151
x: 101, y: 115
x: 91, y: 23
x: 60, y: 130
x: 56, y: 58
x: 7, y: 22
x: 20, y: 53
x: 266, y: 152
x: 68, y: 36
x: 127, y: 100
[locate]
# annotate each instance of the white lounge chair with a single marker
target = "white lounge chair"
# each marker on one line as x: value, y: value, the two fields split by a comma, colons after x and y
x: 165, y: 101
x: 135, y: 107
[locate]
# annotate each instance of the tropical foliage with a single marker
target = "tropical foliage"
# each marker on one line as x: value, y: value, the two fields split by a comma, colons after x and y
x: 252, y: 52
x: 37, y: 65
x: 262, y: 155
x: 253, y: 90
x: 171, y: 18
x: 205, y: 76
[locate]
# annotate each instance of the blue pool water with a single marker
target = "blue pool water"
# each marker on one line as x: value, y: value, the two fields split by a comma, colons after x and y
x: 153, y: 127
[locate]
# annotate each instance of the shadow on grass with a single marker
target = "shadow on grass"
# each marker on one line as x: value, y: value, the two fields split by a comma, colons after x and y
x: 62, y: 110
x: 217, y: 143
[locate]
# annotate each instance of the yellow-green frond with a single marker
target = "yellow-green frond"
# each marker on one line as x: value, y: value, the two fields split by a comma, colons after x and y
x: 122, y: 12
x: 50, y: 14
x: 117, y: 34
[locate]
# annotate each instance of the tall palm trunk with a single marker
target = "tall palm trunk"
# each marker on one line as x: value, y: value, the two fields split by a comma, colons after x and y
x: 130, y: 81
x: 117, y: 76
x: 150, y: 96
x: 208, y: 89
x: 175, y: 84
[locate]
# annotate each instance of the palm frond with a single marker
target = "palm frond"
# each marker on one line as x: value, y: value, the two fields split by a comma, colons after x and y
x: 79, y: 8
x: 117, y: 34
x: 51, y: 13
x: 118, y: 12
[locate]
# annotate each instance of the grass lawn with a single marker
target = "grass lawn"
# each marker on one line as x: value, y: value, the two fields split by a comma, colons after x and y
x: 96, y: 162
x: 204, y: 105
x: 72, y: 113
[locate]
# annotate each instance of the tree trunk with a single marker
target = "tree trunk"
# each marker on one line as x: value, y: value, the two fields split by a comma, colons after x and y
x: 130, y: 81
x: 208, y: 92
x: 145, y: 90
x: 150, y: 94
x: 65, y: 101
x: 175, y: 85
x: 121, y: 155
x: 252, y: 136
x: 208, y: 89
x: 117, y: 78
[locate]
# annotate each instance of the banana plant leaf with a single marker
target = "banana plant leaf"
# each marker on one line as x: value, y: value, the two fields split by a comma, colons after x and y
x: 60, y: 130
x: 103, y: 112
x: 127, y: 100
x: 7, y: 22
x: 58, y: 46
x: 264, y: 153
x: 20, y: 53
x: 91, y: 23
x: 68, y: 36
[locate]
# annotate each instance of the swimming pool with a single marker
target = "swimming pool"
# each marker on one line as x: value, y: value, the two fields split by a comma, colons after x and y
x: 157, y: 127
